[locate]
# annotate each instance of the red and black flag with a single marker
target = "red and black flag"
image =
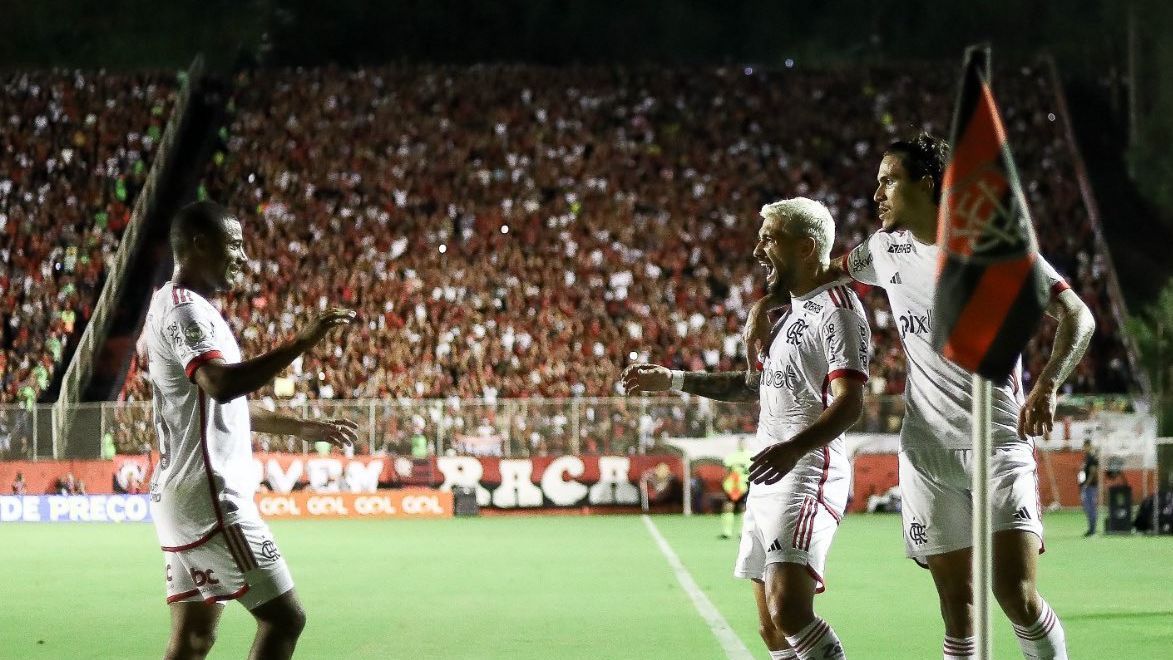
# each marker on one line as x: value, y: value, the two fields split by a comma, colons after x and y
x: 991, y: 292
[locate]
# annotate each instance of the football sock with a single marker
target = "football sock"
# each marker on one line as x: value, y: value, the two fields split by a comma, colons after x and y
x: 784, y: 654
x: 959, y: 648
x: 817, y: 640
x: 1045, y: 640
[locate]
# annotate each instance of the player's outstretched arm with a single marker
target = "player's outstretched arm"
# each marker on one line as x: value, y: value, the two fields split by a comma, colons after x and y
x: 225, y: 382
x: 1076, y: 325
x: 775, y: 461
x: 721, y: 385
x: 338, y: 432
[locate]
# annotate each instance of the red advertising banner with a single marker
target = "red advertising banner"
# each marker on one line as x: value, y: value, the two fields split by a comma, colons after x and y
x: 548, y: 481
x: 404, y: 503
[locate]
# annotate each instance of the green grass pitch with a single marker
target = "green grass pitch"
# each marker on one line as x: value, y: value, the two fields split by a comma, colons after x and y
x: 553, y: 587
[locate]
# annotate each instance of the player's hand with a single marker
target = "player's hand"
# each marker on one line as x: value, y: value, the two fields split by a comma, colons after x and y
x: 314, y: 332
x: 1037, y: 415
x: 645, y: 377
x: 774, y: 462
x: 341, y: 433
x: 757, y: 327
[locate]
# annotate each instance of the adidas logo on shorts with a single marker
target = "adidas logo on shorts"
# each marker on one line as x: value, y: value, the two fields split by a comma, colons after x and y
x: 896, y: 279
x: 1022, y: 514
x: 775, y: 546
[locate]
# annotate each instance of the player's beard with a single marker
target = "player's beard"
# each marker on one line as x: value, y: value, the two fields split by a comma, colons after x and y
x: 783, y: 280
x: 892, y: 223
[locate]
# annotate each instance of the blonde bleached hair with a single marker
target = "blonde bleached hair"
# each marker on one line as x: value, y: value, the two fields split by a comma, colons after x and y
x: 802, y: 216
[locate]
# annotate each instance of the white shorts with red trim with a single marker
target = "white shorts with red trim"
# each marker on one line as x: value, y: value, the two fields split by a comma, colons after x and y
x: 936, y: 496
x: 795, y: 520
x: 239, y: 561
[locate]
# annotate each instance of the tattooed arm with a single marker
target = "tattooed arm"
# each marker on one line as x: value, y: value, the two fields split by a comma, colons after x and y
x: 724, y: 385
x: 721, y: 385
x: 1076, y: 326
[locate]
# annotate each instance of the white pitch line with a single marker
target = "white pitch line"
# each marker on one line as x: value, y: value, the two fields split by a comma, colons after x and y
x: 734, y: 648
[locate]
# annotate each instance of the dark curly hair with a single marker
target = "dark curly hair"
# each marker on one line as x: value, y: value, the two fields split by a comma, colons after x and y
x: 923, y: 155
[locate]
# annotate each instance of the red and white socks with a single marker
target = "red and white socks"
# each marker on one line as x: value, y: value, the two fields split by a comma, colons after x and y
x: 1045, y: 639
x: 958, y: 648
x: 817, y: 640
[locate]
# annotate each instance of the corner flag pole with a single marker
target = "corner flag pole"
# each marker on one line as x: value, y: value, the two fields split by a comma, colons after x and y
x: 991, y: 292
x: 982, y: 528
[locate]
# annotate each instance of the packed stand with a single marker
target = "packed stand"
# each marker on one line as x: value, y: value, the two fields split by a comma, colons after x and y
x: 74, y: 152
x: 521, y: 232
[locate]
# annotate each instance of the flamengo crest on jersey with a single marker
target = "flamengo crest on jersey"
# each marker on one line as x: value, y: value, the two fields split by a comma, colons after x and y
x: 205, y: 468
x: 824, y: 335
x: 937, y: 392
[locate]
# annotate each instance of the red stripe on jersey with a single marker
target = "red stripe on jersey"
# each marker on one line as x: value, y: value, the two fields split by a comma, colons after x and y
x: 194, y: 544
x: 179, y: 597
x: 174, y: 296
x: 208, y: 458
x: 199, y: 360
x: 851, y: 374
x: 1059, y: 287
x: 823, y: 481
x: 833, y: 295
x: 846, y: 298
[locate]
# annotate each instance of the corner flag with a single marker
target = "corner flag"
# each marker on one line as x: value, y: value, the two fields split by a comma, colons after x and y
x: 991, y: 292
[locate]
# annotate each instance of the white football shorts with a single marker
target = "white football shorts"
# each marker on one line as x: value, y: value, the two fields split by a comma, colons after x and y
x: 936, y: 499
x: 239, y: 562
x: 795, y: 520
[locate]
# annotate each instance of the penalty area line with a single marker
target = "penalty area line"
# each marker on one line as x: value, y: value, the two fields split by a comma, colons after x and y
x: 734, y: 648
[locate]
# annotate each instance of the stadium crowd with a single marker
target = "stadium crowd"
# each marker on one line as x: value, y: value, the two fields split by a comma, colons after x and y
x: 74, y: 151
x: 522, y: 232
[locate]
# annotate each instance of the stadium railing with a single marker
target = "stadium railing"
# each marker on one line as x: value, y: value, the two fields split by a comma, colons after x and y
x: 692, y: 434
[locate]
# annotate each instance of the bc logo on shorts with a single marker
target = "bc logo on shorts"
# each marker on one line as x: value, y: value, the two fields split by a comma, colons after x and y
x: 917, y: 533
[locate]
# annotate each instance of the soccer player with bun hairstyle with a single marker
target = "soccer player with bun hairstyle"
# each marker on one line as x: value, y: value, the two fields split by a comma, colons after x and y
x: 814, y: 364
x: 935, y: 437
x: 216, y: 547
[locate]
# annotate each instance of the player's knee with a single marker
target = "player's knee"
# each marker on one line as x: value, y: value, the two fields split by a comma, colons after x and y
x: 286, y: 622
x: 294, y: 622
x: 956, y: 603
x: 193, y: 644
x: 791, y: 617
x: 1018, y: 600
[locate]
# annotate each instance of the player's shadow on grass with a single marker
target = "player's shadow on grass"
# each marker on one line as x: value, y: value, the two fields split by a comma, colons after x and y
x: 1098, y: 616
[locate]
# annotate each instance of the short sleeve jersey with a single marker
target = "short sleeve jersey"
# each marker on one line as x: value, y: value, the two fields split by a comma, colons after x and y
x: 823, y: 336
x: 937, y: 392
x: 205, y: 465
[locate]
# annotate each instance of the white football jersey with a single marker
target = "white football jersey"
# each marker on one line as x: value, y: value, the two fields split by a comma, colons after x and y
x: 937, y: 392
x: 823, y: 336
x: 205, y: 467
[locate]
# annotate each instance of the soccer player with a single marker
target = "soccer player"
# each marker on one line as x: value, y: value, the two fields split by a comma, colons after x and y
x: 810, y: 391
x: 936, y: 436
x: 735, y: 486
x: 216, y: 547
